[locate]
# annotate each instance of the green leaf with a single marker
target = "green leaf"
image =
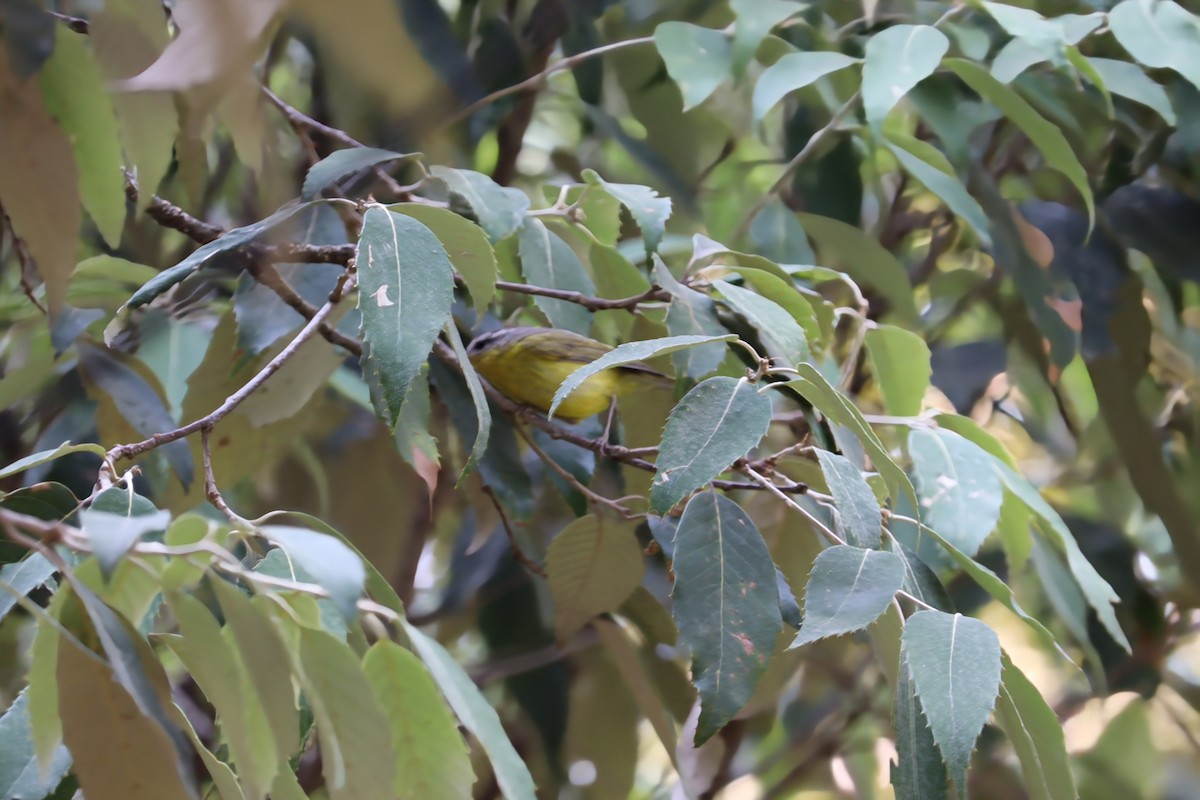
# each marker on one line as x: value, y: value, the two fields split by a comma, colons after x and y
x: 900, y: 359
x: 1161, y: 35
x: 343, y: 162
x: 628, y: 353
x: 1048, y: 139
x: 969, y: 429
x: 858, y: 510
x: 431, y: 758
x: 46, y: 456
x: 138, y: 401
x: 355, y: 735
x: 20, y: 774
x: 865, y: 260
x: 999, y: 591
x: 715, y: 424
x: 592, y: 566
x: 200, y: 257
x: 476, y: 715
x: 794, y: 71
x: 919, y: 579
x: 76, y: 96
x: 753, y: 20
x: 467, y: 246
x: 648, y: 210
x: 548, y: 261
x: 920, y: 773
x: 406, y: 286
x: 927, y: 164
x: 44, y: 721
x: 955, y: 664
x: 957, y: 485
x: 1131, y: 82
x: 896, y: 60
x: 847, y: 590
x: 837, y: 407
x: 217, y: 670
x: 112, y: 533
x: 21, y: 577
x: 499, y: 209
x: 725, y: 604
x: 255, y: 639
x: 331, y: 563
x: 1036, y: 735
x: 691, y: 314
x: 779, y: 236
x: 698, y: 59
x: 1100, y: 596
x: 772, y: 320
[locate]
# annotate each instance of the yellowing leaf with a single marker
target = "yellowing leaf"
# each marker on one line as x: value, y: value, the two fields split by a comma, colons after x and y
x: 592, y: 566
x: 74, y: 93
x: 38, y: 182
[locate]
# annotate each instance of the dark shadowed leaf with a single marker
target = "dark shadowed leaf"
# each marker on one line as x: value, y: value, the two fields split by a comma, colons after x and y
x: 847, y: 590
x: 715, y: 424
x: 955, y: 665
x: 483, y: 413
x: 546, y: 260
x: 691, y: 313
x: 726, y: 605
x: 138, y: 402
x: 920, y: 773
x: 205, y: 253
x: 343, y: 162
x: 406, y: 286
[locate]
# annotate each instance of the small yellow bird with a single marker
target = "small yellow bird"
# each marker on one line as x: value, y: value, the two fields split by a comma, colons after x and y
x: 529, y: 364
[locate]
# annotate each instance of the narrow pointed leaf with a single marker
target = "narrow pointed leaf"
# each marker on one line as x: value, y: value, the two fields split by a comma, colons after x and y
x: 955, y: 664
x: 858, y: 510
x: 628, y: 353
x: 1036, y: 735
x: 794, y: 71
x: 715, y: 424
x: 726, y: 605
x: 847, y: 590
x: 476, y: 716
x: 430, y: 755
x: 896, y: 60
x: 342, y: 162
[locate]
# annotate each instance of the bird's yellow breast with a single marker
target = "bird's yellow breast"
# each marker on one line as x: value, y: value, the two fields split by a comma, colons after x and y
x: 532, y: 380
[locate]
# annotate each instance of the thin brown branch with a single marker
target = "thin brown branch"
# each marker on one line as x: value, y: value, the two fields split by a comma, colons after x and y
x: 518, y: 553
x: 237, y: 398
x: 798, y: 160
x: 268, y: 276
x: 654, y: 293
x: 210, y: 483
x: 535, y: 81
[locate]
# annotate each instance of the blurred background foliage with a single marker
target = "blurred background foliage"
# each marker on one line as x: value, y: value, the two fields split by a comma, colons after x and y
x: 1030, y: 210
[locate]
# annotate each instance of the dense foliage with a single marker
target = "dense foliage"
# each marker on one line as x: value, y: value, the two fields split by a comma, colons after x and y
x: 917, y: 509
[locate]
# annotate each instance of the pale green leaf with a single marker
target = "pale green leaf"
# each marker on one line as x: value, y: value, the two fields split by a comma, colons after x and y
x: 794, y: 71
x: 896, y: 60
x: 698, y: 59
x: 859, y: 515
x: 592, y: 565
